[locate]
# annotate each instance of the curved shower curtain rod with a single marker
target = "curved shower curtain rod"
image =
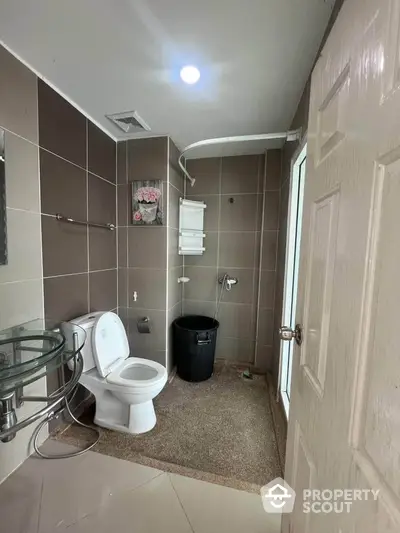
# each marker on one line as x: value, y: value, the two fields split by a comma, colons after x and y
x: 293, y: 135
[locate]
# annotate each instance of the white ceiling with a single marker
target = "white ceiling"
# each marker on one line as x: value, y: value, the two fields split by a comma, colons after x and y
x: 110, y: 56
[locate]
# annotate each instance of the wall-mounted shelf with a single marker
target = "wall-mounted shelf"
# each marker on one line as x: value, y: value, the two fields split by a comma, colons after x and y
x: 191, y: 227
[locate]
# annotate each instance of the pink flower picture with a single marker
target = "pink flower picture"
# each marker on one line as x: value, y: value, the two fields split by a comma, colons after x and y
x: 147, y: 202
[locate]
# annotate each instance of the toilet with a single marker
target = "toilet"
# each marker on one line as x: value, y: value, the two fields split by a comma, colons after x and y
x: 124, y: 387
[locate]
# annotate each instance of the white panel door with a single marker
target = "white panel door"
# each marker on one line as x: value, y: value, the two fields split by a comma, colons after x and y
x: 344, y: 426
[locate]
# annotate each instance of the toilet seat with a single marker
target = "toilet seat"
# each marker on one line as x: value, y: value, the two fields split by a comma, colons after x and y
x: 137, y: 372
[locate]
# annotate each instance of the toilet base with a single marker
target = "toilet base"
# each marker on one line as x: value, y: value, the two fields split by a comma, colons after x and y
x: 141, y: 419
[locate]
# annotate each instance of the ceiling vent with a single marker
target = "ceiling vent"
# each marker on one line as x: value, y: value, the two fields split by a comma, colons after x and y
x: 129, y: 122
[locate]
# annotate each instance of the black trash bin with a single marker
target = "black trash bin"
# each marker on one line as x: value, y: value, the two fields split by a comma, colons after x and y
x: 194, y: 346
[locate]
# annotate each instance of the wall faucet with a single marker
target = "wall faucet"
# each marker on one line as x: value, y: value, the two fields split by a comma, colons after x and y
x: 228, y: 282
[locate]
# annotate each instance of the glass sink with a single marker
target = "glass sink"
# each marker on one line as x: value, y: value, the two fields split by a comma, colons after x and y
x: 30, y: 351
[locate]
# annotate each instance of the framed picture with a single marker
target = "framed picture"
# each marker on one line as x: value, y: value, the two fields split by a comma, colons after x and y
x: 147, y: 203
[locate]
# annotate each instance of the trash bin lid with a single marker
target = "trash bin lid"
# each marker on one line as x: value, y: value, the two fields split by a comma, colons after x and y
x: 196, y: 323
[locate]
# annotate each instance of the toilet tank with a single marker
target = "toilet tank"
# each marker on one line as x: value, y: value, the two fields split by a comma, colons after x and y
x: 85, y: 322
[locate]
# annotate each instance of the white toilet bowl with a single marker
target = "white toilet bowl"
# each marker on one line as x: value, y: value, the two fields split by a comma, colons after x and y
x: 124, y: 387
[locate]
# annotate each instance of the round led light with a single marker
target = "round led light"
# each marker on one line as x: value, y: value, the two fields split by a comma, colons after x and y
x: 190, y: 74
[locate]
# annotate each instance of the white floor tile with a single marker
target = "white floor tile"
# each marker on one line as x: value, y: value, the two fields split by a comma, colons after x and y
x: 20, y: 497
x: 214, y: 509
x: 152, y: 508
x: 74, y: 488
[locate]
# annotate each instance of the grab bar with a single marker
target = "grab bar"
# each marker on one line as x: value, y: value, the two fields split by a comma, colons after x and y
x: 62, y: 218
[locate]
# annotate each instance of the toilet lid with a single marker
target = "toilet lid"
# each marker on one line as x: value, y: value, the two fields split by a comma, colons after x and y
x: 110, y: 344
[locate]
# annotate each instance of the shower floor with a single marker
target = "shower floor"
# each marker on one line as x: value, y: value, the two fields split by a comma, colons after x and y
x: 220, y: 430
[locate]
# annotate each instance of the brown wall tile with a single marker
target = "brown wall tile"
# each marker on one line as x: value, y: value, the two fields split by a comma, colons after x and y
x: 240, y: 174
x: 236, y: 320
x: 101, y: 153
x: 239, y: 213
x: 102, y: 249
x: 64, y: 247
x: 267, y: 289
x: 174, y: 197
x: 263, y: 359
x: 62, y: 128
x: 270, y: 242
x: 18, y: 97
x: 122, y: 287
x: 174, y: 288
x: 147, y: 247
x: 147, y: 159
x: 265, y: 327
x: 122, y: 247
x: 151, y: 287
x: 62, y: 187
x: 207, y: 175
x: 274, y: 170
x: 66, y: 297
x: 202, y: 284
x: 237, y: 250
x: 143, y: 344
x: 102, y: 201
x: 197, y: 307
x: 175, y: 173
x: 122, y: 171
x: 271, y: 210
x: 244, y: 291
x: 235, y: 350
x: 103, y: 290
x: 123, y: 197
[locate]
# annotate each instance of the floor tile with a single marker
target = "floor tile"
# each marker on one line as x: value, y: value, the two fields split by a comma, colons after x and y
x: 20, y: 497
x: 152, y: 508
x: 214, y: 509
x: 74, y: 488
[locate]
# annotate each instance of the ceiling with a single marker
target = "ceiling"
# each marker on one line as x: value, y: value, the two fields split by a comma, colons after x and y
x: 109, y: 56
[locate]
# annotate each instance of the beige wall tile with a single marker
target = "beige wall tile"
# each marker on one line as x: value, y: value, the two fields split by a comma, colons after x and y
x: 22, y: 173
x: 24, y: 247
x: 20, y: 302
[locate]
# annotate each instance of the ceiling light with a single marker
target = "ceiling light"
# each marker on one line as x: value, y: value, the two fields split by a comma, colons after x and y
x: 190, y: 74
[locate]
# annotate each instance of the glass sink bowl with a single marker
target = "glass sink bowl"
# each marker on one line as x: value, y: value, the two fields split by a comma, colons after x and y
x: 32, y: 350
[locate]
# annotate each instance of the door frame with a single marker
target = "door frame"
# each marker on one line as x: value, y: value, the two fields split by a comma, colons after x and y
x: 289, y: 257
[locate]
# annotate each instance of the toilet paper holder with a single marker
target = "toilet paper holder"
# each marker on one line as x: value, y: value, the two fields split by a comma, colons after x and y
x: 143, y: 325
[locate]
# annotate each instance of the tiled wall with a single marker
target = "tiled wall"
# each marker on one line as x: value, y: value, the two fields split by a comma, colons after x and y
x: 148, y: 258
x: 269, y: 271
x: 21, y: 280
x: 56, y: 162
x: 233, y: 189
x: 175, y: 261
x: 78, y: 180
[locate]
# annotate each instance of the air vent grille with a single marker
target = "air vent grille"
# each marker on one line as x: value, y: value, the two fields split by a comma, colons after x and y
x: 129, y: 122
